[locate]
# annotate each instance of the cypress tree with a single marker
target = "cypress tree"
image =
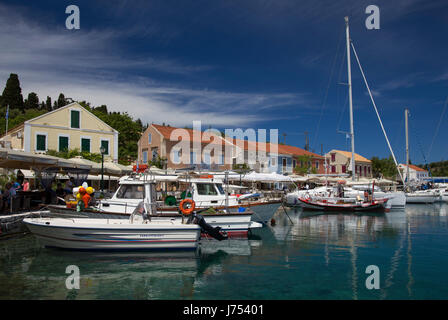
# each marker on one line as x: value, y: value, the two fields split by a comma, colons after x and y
x: 12, y: 94
x: 61, y: 101
x: 32, y: 102
x: 48, y: 104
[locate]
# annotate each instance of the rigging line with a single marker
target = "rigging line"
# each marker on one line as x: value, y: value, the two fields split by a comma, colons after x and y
x: 328, y: 88
x: 438, y: 126
x: 376, y: 110
x: 398, y: 135
x: 342, y: 112
x: 415, y: 131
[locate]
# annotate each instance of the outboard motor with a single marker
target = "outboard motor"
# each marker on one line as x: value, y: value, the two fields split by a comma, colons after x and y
x: 206, y: 228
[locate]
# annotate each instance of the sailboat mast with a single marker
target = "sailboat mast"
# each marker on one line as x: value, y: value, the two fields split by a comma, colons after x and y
x: 406, y: 113
x: 349, y: 71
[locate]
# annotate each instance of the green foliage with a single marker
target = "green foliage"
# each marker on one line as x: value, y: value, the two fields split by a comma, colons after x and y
x: 384, y: 167
x: 437, y: 169
x: 158, y: 162
x: 240, y: 167
x: 17, y: 117
x: 61, y: 101
x: 303, y: 165
x: 67, y: 154
x: 32, y: 102
x: 48, y: 105
x: 4, y: 178
x: 12, y: 94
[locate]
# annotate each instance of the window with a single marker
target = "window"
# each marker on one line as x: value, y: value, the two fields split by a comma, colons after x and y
x: 220, y: 188
x: 131, y: 191
x: 63, y: 143
x: 74, y: 116
x: 145, y: 156
x: 333, y: 157
x: 294, y: 163
x: 41, y: 142
x: 149, y: 138
x: 176, y: 156
x: 206, y: 189
x: 192, y: 157
x: 344, y: 168
x: 273, y: 162
x: 333, y: 169
x: 154, y: 153
x: 105, y: 145
x: 317, y: 164
x: 284, y: 162
x: 85, y: 144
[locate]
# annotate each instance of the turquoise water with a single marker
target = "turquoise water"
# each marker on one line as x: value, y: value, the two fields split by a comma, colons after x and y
x: 316, y: 257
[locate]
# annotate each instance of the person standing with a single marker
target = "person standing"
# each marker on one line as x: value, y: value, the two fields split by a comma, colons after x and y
x: 26, y: 185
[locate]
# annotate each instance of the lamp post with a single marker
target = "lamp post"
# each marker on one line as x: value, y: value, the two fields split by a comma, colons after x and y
x: 102, y: 150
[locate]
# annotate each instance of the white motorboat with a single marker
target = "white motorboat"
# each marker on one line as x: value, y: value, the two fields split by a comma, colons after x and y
x: 207, y: 192
x: 113, y: 234
x: 235, y: 220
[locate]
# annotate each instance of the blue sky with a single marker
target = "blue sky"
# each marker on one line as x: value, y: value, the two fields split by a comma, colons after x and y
x: 250, y: 64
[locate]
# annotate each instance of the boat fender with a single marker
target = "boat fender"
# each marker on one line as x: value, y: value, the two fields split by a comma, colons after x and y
x: 183, y: 209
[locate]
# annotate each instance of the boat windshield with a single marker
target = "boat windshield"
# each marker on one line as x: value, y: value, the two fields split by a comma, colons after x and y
x: 131, y: 191
x: 207, y: 189
x: 220, y: 189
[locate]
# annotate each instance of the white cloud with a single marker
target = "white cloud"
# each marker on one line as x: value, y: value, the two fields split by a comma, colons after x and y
x: 91, y: 66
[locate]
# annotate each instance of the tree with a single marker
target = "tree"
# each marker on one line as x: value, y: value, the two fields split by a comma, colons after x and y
x: 61, y: 101
x: 304, y: 165
x: 12, y: 94
x: 32, y: 102
x: 48, y: 104
x: 384, y: 167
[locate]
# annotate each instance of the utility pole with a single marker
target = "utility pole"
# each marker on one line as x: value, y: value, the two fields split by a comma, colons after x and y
x: 284, y: 138
x: 352, y: 133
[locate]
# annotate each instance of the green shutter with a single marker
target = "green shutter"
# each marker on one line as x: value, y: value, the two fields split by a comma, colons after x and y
x: 63, y: 143
x: 105, y: 145
x: 75, y: 119
x: 85, y: 145
x: 41, y: 142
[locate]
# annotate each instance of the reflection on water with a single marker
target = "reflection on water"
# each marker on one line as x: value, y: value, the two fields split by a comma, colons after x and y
x: 311, y: 256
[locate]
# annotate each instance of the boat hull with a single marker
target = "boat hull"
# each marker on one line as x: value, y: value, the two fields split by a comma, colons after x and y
x: 421, y: 198
x: 236, y: 224
x: 113, y: 234
x: 308, y: 204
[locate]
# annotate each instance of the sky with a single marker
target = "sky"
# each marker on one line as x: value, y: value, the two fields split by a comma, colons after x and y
x: 262, y: 64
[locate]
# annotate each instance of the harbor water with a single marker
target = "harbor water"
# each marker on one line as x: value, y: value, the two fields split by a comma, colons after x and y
x: 309, y: 256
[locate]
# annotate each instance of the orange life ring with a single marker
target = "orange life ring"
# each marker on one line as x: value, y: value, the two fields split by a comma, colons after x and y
x: 187, y: 211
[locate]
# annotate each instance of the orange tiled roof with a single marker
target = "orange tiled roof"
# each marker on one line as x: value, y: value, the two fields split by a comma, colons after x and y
x: 193, y: 135
x: 411, y: 166
x: 349, y: 155
x: 281, y: 149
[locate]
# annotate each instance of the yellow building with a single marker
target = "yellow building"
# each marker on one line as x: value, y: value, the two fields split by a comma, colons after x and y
x: 69, y: 127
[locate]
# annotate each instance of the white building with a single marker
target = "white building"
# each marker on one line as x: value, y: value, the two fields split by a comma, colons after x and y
x: 415, y: 173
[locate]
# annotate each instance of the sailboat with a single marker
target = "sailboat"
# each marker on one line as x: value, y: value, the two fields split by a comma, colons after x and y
x: 418, y: 196
x: 341, y: 203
